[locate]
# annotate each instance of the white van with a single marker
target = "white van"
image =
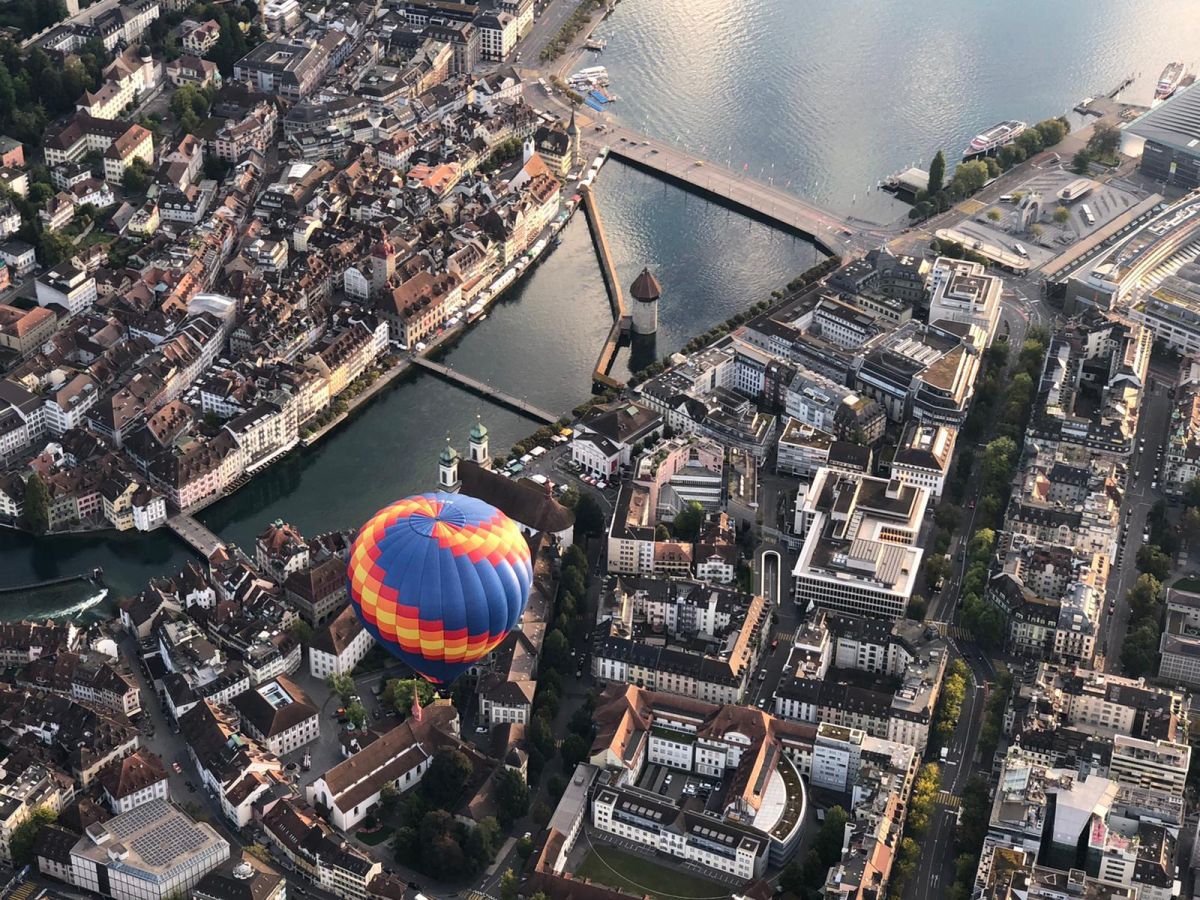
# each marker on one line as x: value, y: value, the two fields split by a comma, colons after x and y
x: 1021, y: 251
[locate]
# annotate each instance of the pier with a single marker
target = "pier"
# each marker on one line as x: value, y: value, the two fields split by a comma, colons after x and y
x: 195, y: 535
x: 738, y: 191
x: 487, y: 391
x: 616, y: 296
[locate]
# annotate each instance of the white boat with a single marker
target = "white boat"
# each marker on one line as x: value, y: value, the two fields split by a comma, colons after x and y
x: 1169, y: 80
x: 994, y: 138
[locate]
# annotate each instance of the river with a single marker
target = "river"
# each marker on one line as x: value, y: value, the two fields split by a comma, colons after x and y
x: 824, y: 99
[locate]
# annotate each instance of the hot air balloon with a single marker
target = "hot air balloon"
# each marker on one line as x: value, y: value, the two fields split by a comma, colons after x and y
x: 439, y: 580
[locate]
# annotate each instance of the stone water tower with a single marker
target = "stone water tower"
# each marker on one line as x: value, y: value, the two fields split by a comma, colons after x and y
x: 645, y: 292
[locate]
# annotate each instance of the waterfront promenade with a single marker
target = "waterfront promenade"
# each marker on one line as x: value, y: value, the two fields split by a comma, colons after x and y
x: 486, y: 390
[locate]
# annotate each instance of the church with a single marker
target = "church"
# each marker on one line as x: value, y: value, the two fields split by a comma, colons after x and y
x: 530, y: 505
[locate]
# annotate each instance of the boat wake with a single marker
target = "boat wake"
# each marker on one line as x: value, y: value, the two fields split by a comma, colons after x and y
x: 77, y: 608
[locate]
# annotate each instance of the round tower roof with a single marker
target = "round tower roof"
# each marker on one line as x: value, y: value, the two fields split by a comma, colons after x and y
x: 478, y: 430
x: 448, y: 455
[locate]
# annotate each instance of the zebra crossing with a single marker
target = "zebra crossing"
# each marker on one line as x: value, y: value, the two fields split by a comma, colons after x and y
x: 785, y: 635
x: 945, y: 629
x: 945, y: 798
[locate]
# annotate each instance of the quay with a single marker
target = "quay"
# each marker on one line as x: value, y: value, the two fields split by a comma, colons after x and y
x: 195, y: 535
x: 616, y: 297
x: 734, y: 190
x: 486, y: 390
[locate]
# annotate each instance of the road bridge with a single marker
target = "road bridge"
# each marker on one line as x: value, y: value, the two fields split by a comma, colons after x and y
x: 486, y: 390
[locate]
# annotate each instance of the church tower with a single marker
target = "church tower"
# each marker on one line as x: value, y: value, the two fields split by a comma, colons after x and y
x: 448, y: 469
x: 478, y: 449
x: 383, y: 263
x: 573, y: 139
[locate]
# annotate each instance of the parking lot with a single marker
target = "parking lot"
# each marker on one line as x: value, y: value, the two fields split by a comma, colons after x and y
x: 678, y: 785
x: 996, y: 221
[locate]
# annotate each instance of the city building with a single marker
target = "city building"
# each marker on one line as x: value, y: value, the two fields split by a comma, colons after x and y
x: 923, y: 456
x: 279, y: 715
x: 859, y: 552
x: 133, y: 781
x: 152, y: 852
x: 962, y: 291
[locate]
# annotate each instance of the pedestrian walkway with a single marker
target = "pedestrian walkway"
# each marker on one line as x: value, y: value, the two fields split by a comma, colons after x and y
x: 945, y: 798
x: 785, y: 634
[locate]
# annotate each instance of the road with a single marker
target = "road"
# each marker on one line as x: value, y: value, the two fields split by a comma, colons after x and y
x: 935, y: 870
x: 545, y: 27
x: 1140, y: 497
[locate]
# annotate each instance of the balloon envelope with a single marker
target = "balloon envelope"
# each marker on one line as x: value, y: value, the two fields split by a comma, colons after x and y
x: 439, y: 580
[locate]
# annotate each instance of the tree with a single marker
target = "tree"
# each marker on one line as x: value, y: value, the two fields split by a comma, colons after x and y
x: 508, y: 885
x: 937, y: 174
x: 1036, y: 230
x: 1011, y: 155
x: 136, y: 178
x: 937, y: 567
x: 589, y: 518
x: 541, y: 813
x: 1189, y: 523
x: 1030, y: 141
x: 389, y: 797
x: 556, y: 652
x: 343, y: 685
x: 1139, y: 654
x: 574, y: 750
x: 259, y: 852
x: 1191, y: 493
x: 357, y: 714
x: 35, y: 511
x: 398, y: 693
x: 301, y: 631
x: 1081, y: 162
x: 969, y: 177
x: 993, y: 215
x: 832, y: 835
x: 1052, y: 131
x: 54, y: 247
x: 1152, y: 561
x: 21, y: 842
x: 1104, y: 141
x: 444, y: 780
x: 662, y: 532
x: 512, y: 798
x: 688, y: 521
x: 918, y: 607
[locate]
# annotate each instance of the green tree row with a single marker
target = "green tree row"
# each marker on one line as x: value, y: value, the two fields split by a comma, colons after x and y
x: 969, y: 177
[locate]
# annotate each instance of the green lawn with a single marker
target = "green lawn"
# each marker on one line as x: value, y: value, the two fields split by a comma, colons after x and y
x: 638, y: 874
x: 1189, y: 583
x: 372, y: 838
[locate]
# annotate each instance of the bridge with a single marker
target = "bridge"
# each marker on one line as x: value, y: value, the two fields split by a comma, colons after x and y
x: 738, y: 191
x: 195, y: 535
x: 616, y: 296
x: 484, y: 389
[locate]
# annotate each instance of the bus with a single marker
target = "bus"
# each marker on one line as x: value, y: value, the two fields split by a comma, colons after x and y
x: 1086, y: 212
